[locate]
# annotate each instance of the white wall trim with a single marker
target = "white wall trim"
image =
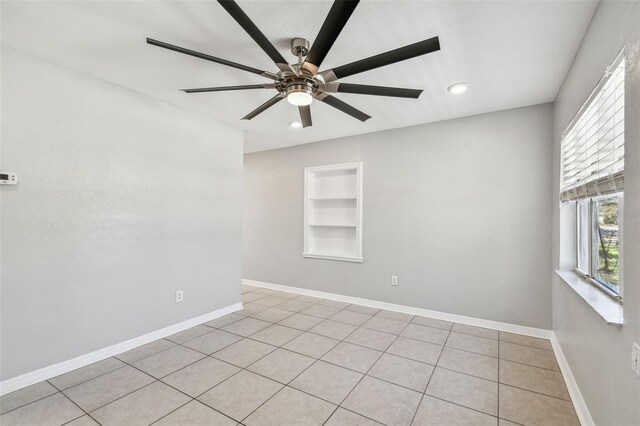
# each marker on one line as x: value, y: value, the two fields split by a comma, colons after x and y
x: 54, y: 370
x: 502, y: 326
x: 572, y: 386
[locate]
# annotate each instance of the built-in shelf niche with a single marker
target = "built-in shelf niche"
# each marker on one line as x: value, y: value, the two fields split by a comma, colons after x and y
x: 333, y: 212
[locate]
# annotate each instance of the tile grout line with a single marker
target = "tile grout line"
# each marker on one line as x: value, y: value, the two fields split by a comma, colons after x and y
x: 400, y: 356
x: 88, y: 380
x: 431, y: 342
x: 35, y: 400
x: 119, y: 398
x: 128, y: 393
x: 217, y: 359
x: 527, y: 346
x: 286, y: 385
x: 189, y: 402
x: 530, y: 365
x: 196, y: 398
x: 156, y: 381
x: 498, y: 393
x: 318, y: 359
x: 74, y: 403
x: 62, y: 391
x: 58, y: 390
x: 372, y: 365
x: 443, y: 346
x: 386, y: 381
x: 405, y: 337
x: 245, y: 368
x: 149, y: 356
x: 498, y: 358
x: 355, y: 371
x: 361, y: 378
x: 315, y: 361
x: 449, y: 333
x: 431, y: 377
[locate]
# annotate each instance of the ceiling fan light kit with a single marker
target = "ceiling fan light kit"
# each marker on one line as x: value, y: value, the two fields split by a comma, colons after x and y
x: 302, y: 82
x: 299, y: 94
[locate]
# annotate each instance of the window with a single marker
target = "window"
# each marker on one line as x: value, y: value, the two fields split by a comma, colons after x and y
x: 593, y: 144
x: 606, y: 237
x: 583, y: 231
x: 598, y: 238
x: 593, y: 177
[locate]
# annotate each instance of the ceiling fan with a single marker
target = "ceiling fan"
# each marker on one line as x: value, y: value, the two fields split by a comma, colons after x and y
x: 302, y: 82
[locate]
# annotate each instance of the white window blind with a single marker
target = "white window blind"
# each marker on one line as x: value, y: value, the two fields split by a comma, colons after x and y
x: 593, y: 144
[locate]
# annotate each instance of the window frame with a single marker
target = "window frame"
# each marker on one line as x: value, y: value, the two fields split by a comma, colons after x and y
x: 592, y: 248
x: 587, y: 271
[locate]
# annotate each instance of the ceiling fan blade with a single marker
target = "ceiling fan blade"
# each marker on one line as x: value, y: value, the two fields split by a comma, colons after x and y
x: 247, y: 24
x: 271, y: 102
x: 331, y: 28
x: 383, y: 59
x: 211, y: 58
x: 344, y: 107
x: 365, y: 89
x: 227, y: 88
x: 305, y: 115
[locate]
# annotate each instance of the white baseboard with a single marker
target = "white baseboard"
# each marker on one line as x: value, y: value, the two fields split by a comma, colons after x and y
x: 502, y: 326
x: 574, y: 391
x: 54, y: 370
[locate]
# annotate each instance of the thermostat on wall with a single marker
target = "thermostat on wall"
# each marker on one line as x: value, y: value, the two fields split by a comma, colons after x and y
x: 8, y: 178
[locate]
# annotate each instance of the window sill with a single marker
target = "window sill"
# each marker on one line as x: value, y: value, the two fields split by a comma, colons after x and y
x: 333, y: 257
x: 609, y: 309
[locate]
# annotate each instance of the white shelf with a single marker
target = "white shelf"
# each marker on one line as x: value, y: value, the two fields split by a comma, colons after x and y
x: 333, y: 212
x: 334, y: 199
x: 333, y: 225
x: 333, y: 257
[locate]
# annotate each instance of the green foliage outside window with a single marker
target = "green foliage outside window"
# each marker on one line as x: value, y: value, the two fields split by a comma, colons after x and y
x: 608, y: 242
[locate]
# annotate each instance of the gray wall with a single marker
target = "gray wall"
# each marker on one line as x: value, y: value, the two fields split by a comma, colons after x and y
x: 599, y: 355
x: 459, y: 210
x: 121, y: 200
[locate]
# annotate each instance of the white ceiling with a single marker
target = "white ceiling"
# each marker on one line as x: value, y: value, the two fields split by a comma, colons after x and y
x: 513, y: 54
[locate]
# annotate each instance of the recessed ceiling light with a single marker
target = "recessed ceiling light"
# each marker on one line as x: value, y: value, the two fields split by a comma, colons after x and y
x: 295, y: 124
x: 458, y: 88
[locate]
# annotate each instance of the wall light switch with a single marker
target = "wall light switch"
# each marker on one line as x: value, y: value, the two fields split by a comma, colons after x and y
x: 394, y: 280
x: 179, y: 296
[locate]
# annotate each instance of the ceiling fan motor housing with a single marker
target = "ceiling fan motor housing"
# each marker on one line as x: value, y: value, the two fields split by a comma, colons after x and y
x: 299, y: 87
x: 291, y: 82
x: 299, y: 47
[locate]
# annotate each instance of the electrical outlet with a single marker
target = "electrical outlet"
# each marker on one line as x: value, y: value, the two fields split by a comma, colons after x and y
x: 179, y: 296
x: 394, y: 280
x: 635, y: 359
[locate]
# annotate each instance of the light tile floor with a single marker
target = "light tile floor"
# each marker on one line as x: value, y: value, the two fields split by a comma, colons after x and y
x: 297, y: 360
